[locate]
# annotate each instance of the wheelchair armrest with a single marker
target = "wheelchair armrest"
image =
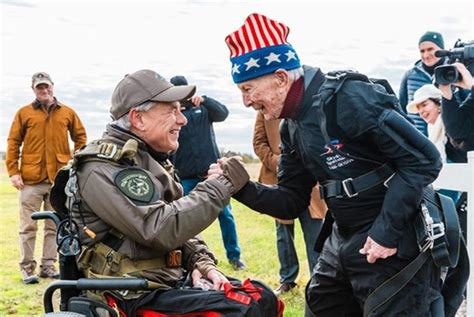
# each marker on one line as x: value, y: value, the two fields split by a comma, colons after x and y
x: 41, y: 215
x: 132, y: 284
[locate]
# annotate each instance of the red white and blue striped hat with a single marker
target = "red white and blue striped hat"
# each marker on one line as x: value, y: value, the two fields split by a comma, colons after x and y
x: 259, y: 47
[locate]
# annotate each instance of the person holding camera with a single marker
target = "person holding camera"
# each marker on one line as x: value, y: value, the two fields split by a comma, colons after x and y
x: 458, y: 117
x: 421, y: 73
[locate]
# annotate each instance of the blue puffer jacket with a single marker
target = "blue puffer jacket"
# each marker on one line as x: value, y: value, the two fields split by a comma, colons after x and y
x: 197, y: 141
x: 412, y: 80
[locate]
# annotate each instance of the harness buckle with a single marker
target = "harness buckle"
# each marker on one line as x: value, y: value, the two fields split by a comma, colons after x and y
x: 385, y: 183
x: 345, y: 186
x: 434, y: 230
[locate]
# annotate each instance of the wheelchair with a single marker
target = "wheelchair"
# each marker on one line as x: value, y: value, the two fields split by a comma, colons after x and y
x: 72, y: 283
x: 246, y: 298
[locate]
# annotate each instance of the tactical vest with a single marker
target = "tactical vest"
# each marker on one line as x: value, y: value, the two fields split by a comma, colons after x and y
x: 102, y: 258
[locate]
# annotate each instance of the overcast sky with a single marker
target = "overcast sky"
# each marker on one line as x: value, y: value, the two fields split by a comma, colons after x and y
x: 88, y: 46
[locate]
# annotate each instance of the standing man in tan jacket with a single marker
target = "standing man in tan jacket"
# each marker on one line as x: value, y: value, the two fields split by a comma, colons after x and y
x: 38, y: 146
x: 266, y: 144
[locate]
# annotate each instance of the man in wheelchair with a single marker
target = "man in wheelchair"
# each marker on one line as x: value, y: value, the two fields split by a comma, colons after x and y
x: 122, y: 202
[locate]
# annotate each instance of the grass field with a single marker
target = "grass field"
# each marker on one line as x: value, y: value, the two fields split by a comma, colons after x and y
x: 256, y: 237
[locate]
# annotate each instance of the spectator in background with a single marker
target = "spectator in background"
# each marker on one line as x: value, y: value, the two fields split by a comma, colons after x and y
x: 266, y: 144
x: 421, y: 73
x: 197, y: 150
x: 427, y: 103
x: 39, y: 135
x: 458, y: 116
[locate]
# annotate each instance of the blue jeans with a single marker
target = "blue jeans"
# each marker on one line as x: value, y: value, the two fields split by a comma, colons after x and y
x: 289, y: 266
x: 226, y: 222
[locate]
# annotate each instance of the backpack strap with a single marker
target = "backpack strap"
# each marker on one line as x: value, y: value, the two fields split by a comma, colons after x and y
x: 333, y: 84
x: 349, y: 187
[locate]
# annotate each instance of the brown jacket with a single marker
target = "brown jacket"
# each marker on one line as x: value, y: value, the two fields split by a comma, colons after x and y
x: 45, y: 142
x: 151, y: 228
x: 266, y: 144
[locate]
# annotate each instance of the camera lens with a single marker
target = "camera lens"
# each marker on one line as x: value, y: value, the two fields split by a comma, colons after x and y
x: 446, y: 74
x: 450, y: 75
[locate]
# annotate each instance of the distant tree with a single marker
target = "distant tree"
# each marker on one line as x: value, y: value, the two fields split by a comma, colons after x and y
x: 246, y: 157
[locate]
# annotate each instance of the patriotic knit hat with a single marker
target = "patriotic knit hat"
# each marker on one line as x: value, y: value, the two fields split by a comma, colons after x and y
x: 259, y: 47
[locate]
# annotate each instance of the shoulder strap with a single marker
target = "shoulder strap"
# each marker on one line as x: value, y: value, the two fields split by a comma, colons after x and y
x: 333, y: 84
x: 108, y: 151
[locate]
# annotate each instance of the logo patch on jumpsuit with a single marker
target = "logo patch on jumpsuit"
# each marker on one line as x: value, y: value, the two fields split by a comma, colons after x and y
x: 135, y: 184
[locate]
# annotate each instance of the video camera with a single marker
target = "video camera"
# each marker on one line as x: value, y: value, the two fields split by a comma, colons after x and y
x: 463, y: 53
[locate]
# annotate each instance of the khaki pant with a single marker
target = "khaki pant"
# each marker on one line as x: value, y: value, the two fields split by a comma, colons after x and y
x: 31, y: 199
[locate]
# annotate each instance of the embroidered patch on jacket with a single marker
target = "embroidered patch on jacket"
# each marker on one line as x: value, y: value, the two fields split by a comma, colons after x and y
x: 135, y: 184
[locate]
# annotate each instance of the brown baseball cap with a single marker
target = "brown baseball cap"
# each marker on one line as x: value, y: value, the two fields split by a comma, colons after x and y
x: 145, y: 85
x: 41, y: 78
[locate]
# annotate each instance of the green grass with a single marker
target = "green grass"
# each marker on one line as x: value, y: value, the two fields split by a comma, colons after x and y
x: 257, y: 239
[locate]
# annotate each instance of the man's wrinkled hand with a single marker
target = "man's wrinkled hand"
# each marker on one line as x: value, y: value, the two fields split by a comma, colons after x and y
x: 17, y: 182
x: 217, y: 278
x: 375, y: 251
x: 214, y: 170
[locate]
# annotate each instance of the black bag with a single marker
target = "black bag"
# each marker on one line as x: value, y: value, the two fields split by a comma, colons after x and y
x: 248, y: 298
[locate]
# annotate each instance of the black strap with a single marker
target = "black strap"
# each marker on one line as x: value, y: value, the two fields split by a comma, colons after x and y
x: 332, y: 85
x: 393, y: 285
x: 112, y: 241
x: 351, y: 187
x: 445, y: 252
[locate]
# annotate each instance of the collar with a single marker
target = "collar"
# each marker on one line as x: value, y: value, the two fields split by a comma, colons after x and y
x: 293, y: 100
x: 37, y: 104
x: 430, y: 69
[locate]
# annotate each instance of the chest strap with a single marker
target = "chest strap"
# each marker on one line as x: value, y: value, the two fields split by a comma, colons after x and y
x: 351, y: 187
x: 103, y: 259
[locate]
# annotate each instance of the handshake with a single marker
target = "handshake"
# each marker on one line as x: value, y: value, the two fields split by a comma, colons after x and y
x: 231, y: 168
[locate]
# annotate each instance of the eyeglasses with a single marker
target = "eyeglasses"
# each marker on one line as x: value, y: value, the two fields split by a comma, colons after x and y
x: 67, y: 238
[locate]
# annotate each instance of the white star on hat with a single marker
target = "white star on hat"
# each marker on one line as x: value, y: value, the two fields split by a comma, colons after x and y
x: 272, y: 57
x: 252, y: 63
x: 235, y: 69
x: 291, y: 55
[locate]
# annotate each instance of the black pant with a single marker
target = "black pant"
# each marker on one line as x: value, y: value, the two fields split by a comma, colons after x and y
x: 343, y: 279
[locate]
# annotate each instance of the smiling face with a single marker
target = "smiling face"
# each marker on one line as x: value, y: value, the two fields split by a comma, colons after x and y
x: 159, y: 127
x: 266, y: 94
x: 429, y: 110
x: 427, y: 50
x: 44, y: 93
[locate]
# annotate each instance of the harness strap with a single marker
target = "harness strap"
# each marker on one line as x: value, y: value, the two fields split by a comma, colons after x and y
x: 393, y: 285
x: 443, y: 245
x: 351, y: 187
x: 104, y: 260
x: 437, y: 229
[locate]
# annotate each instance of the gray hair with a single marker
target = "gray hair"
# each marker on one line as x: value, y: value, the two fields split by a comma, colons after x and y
x: 295, y: 74
x: 124, y: 122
